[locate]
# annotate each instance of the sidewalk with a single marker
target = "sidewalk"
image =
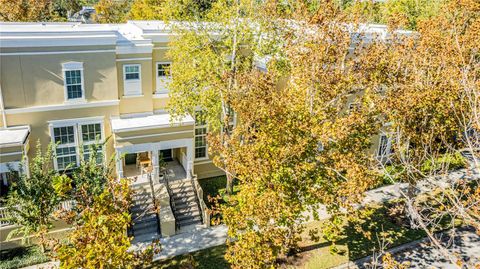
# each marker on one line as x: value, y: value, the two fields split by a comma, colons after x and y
x: 192, y: 241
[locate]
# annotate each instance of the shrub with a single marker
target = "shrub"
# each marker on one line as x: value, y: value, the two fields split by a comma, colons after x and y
x: 447, y: 161
x: 21, y: 257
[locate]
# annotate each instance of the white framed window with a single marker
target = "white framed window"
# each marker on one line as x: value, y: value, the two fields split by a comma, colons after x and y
x: 384, y: 146
x: 163, y: 77
x: 200, y: 136
x: 73, y: 81
x: 132, y: 79
x: 91, y: 134
x: 70, y: 135
x: 66, y: 154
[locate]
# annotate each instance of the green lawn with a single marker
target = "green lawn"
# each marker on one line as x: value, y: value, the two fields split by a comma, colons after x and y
x: 215, y: 186
x: 211, y: 258
x: 352, y: 245
x: 21, y: 257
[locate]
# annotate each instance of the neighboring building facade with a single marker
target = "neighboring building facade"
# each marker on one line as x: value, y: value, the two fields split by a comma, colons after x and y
x: 75, y: 84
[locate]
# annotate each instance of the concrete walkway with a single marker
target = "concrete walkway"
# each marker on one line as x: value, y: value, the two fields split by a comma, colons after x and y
x: 192, y: 241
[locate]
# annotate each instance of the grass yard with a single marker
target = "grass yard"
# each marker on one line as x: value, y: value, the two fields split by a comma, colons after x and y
x: 21, y: 257
x: 211, y: 258
x: 216, y: 186
x: 352, y: 245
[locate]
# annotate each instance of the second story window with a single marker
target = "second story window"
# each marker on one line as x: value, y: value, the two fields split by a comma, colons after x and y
x: 163, y: 77
x: 132, y: 82
x: 73, y: 81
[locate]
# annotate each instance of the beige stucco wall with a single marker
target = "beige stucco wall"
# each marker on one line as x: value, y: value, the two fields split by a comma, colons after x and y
x: 206, y: 170
x: 136, y: 104
x: 39, y: 125
x: 160, y: 103
x: 60, y: 230
x: 37, y: 80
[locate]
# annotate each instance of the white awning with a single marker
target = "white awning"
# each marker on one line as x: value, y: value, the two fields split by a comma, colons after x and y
x: 148, y: 122
x: 13, y: 136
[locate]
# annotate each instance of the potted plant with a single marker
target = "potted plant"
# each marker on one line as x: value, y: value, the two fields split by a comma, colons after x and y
x: 162, y: 167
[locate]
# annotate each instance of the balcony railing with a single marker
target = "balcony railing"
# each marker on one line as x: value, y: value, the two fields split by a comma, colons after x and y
x: 5, y: 213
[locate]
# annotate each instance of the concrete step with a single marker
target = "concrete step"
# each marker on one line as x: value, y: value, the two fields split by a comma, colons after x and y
x: 151, y: 230
x: 191, y: 221
x: 187, y: 193
x: 136, y: 186
x: 186, y: 210
x: 186, y: 205
x: 147, y: 237
x: 141, y: 214
x: 182, y: 189
x: 184, y: 199
x: 147, y: 221
x: 141, y: 206
x: 185, y: 216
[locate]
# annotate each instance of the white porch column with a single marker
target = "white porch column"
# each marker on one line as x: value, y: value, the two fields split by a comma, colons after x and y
x: 190, y: 157
x: 156, y: 167
x: 119, y: 164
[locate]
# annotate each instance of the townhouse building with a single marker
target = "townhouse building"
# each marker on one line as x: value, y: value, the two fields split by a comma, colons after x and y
x: 73, y: 84
x: 76, y: 84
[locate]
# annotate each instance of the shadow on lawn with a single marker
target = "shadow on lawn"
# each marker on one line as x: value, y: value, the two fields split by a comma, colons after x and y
x: 376, y: 228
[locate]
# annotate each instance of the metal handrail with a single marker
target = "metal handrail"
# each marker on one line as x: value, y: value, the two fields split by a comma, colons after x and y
x: 172, y: 201
x: 155, y: 203
x: 205, y: 215
x: 192, y: 176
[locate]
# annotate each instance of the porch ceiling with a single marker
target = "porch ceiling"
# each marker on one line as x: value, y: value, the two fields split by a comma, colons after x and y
x: 148, y: 122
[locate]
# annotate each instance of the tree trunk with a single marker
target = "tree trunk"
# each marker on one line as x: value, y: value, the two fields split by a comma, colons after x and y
x: 229, y: 184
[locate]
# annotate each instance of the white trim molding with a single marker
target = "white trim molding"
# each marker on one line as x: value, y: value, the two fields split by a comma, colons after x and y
x: 161, y: 82
x: 134, y: 59
x: 153, y: 135
x: 104, y: 103
x: 53, y: 52
x: 132, y: 87
x: 71, y: 67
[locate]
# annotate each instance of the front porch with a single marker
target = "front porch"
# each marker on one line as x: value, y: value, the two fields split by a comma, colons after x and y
x: 173, y: 170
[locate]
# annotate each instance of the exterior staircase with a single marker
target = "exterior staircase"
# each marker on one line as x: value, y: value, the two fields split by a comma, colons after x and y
x: 184, y: 203
x: 144, y: 218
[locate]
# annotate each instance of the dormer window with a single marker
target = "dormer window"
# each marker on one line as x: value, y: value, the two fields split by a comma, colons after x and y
x: 73, y: 81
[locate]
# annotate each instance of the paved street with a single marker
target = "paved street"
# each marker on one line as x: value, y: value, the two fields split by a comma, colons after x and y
x: 466, y: 245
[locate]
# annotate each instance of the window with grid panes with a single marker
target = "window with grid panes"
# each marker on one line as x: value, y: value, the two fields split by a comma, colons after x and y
x: 66, y: 151
x: 200, y: 136
x: 91, y: 134
x: 73, y: 82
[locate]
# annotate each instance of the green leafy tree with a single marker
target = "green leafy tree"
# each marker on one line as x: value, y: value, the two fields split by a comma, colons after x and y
x: 100, y: 219
x: 112, y: 11
x: 29, y: 10
x: 404, y: 13
x: 99, y: 238
x: 33, y: 198
x: 282, y: 70
x: 431, y: 100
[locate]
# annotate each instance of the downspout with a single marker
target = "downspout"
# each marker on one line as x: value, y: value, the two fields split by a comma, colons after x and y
x: 2, y: 107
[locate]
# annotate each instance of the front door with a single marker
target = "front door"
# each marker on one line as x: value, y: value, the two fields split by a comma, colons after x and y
x: 130, y: 158
x: 166, y: 154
